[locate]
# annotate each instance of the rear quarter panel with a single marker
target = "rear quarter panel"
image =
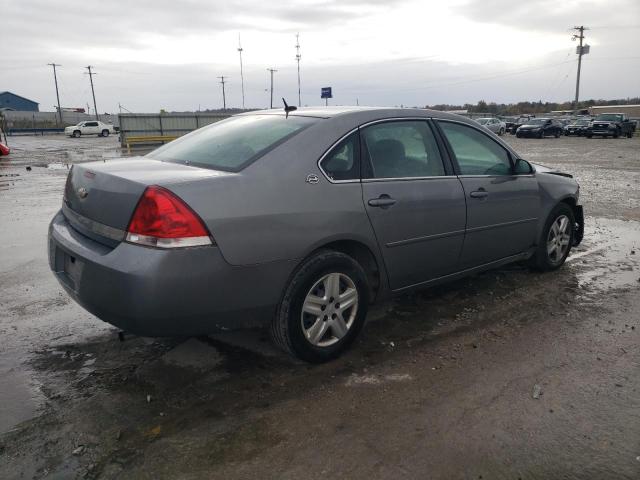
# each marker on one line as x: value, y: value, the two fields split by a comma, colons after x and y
x: 268, y: 212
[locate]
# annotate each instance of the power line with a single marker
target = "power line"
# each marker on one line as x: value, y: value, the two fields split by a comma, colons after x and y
x: 55, y: 79
x: 298, y: 57
x: 240, y: 49
x: 93, y: 93
x: 272, y: 71
x: 224, y: 98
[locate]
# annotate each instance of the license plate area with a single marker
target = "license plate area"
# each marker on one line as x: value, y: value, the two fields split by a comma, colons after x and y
x: 68, y: 268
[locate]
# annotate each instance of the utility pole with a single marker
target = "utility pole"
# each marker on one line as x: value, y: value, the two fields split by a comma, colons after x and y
x: 224, y: 97
x: 241, y: 73
x: 93, y: 93
x: 581, y: 50
x: 298, y: 57
x: 271, y: 70
x: 55, y: 79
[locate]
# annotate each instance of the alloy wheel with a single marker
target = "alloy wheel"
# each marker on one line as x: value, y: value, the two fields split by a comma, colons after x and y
x: 559, y: 238
x: 329, y: 309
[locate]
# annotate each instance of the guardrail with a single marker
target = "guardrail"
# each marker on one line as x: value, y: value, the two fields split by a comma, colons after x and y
x: 148, y: 139
x: 33, y: 131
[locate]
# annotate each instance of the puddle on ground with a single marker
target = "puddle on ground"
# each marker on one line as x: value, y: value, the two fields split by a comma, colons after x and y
x: 609, y: 256
x: 20, y: 395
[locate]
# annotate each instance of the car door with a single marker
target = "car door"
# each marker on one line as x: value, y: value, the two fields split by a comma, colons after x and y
x: 413, y: 199
x: 502, y: 206
x: 90, y: 128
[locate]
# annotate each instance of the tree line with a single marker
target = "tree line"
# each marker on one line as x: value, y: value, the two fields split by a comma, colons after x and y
x: 530, y: 107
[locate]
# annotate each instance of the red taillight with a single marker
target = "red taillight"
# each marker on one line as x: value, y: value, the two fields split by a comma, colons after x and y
x: 162, y: 219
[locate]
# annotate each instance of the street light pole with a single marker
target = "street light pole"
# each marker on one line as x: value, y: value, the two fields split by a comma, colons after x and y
x: 241, y: 73
x: 271, y: 70
x: 298, y: 57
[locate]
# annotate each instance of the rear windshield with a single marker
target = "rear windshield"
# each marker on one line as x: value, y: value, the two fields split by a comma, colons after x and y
x: 234, y: 143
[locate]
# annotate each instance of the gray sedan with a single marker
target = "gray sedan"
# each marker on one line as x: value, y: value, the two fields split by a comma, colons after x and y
x: 300, y: 220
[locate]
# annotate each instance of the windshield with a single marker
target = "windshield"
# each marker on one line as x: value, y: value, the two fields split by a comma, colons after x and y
x: 581, y: 122
x: 609, y: 117
x: 234, y: 143
x: 482, y: 121
x: 537, y: 121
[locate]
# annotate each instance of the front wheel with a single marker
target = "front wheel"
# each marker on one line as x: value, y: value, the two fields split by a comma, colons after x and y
x: 323, y: 307
x: 105, y: 133
x: 541, y: 134
x: 76, y: 133
x: 501, y: 132
x: 556, y: 239
x: 557, y: 134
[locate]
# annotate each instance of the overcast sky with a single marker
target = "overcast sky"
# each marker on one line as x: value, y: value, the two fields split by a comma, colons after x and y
x: 153, y: 54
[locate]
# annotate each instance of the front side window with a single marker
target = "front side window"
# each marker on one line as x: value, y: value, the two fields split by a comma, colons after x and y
x: 476, y: 153
x: 401, y: 149
x: 232, y: 144
x: 341, y: 163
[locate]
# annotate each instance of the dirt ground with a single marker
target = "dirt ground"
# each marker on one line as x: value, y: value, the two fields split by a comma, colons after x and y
x: 509, y: 374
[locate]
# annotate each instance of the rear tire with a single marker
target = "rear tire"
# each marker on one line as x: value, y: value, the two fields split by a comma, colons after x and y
x: 541, y: 134
x: 310, y: 323
x: 556, y: 239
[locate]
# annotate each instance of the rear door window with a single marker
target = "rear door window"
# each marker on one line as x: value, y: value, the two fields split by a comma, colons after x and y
x: 401, y: 149
x: 232, y: 144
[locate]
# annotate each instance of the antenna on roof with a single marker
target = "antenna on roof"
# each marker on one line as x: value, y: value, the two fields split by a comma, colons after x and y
x: 288, y: 108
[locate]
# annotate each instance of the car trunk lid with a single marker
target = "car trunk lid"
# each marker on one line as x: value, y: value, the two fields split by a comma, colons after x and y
x: 100, y: 197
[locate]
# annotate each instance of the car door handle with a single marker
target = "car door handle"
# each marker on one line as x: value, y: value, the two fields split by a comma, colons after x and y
x: 382, y: 201
x: 479, y: 194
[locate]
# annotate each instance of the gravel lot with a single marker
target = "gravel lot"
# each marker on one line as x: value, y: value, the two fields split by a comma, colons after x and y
x: 505, y: 375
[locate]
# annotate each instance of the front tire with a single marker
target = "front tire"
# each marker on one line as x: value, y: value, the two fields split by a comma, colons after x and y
x: 323, y: 308
x: 105, y: 133
x: 76, y: 134
x: 556, y: 240
x: 501, y: 132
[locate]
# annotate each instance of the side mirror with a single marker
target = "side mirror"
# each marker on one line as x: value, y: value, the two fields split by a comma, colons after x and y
x: 522, y: 167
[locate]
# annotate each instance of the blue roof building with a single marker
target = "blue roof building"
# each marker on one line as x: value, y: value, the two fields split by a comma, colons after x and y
x: 11, y: 101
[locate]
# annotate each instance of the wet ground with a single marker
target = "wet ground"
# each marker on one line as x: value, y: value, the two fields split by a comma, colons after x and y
x: 509, y: 374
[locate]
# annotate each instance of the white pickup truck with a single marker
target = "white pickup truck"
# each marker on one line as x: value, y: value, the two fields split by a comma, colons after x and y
x: 89, y: 128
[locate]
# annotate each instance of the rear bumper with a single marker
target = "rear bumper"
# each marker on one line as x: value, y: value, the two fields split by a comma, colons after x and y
x: 156, y: 292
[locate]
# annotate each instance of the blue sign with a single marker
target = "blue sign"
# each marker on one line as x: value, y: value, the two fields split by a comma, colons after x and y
x: 325, y: 92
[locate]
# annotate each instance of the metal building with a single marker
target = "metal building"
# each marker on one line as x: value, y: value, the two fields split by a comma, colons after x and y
x: 11, y: 101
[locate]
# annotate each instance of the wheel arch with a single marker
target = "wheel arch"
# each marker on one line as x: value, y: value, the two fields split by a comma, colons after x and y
x: 364, y: 255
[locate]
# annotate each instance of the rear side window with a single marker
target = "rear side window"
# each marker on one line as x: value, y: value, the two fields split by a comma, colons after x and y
x: 476, y: 153
x: 342, y: 162
x: 234, y: 143
x: 402, y: 149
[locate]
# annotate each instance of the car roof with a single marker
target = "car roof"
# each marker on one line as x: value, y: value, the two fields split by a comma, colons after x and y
x: 362, y: 113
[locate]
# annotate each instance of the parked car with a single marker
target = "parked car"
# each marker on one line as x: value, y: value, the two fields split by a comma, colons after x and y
x: 513, y: 125
x: 89, y: 128
x: 494, y: 124
x: 300, y: 220
x: 539, y: 127
x: 578, y: 127
x: 4, y: 150
x: 611, y: 125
